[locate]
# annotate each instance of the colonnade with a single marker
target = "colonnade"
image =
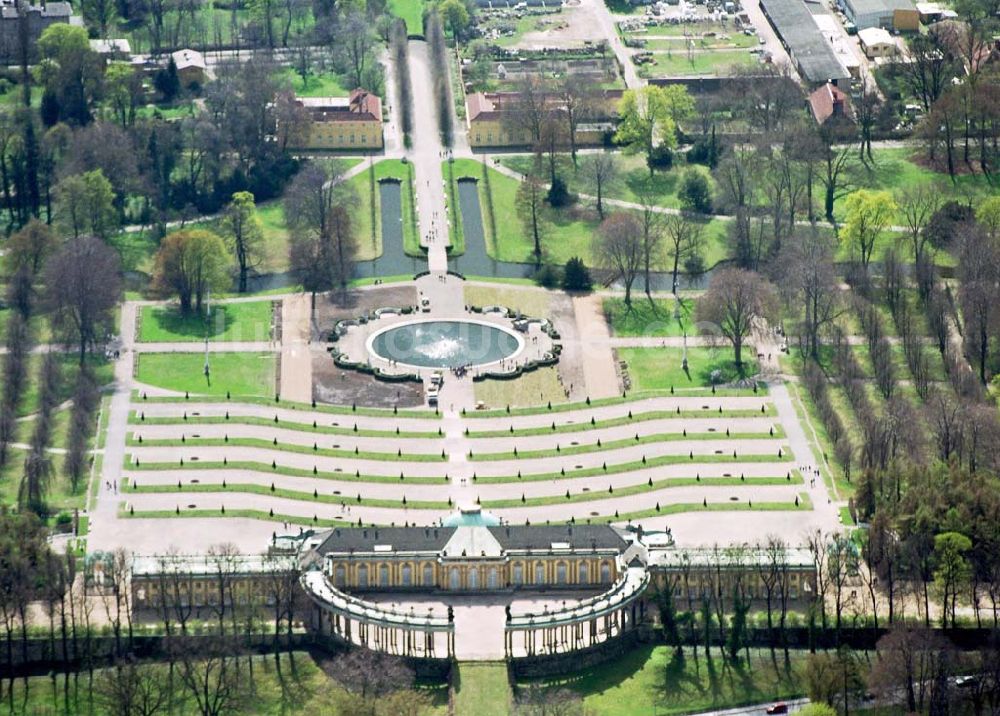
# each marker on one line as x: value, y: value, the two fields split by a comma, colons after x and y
x: 581, y: 625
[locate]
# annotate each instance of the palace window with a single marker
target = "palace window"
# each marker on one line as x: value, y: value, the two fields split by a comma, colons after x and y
x: 561, y: 573
x: 454, y: 579
x: 539, y: 573
x: 363, y: 576
x: 584, y: 577
x: 428, y: 575
x: 340, y: 576
x: 383, y: 575
x: 473, y: 578
x: 407, y: 575
x: 518, y: 573
x: 492, y: 580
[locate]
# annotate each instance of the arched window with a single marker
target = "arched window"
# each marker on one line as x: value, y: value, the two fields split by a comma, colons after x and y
x: 561, y: 573
x: 539, y: 573
x: 584, y: 576
x: 340, y: 576
x: 407, y: 575
x: 473, y: 578
x: 428, y: 575
x: 454, y: 579
x: 492, y: 579
x: 518, y: 574
x: 383, y: 575
x: 605, y: 572
x: 363, y: 576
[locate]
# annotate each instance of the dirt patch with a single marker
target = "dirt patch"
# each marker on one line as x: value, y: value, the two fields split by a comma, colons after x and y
x: 332, y: 307
x: 346, y: 387
x: 333, y: 385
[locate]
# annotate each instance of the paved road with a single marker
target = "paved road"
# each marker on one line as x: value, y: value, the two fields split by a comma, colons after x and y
x: 427, y: 154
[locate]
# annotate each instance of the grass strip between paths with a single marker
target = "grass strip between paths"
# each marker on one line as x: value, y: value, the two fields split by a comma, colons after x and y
x: 255, y: 489
x: 269, y: 423
x: 138, y: 399
x: 624, y: 420
x: 673, y: 509
x: 262, y: 444
x: 304, y: 496
x: 633, y: 398
x: 618, y: 444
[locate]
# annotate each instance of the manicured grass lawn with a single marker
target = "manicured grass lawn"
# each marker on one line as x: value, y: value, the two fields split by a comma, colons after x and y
x: 412, y: 12
x: 660, y: 368
x: 481, y: 689
x: 529, y: 302
x: 317, y: 84
x: 245, y: 321
x: 709, y: 62
x: 648, y: 319
x: 567, y: 232
x: 237, y: 373
x: 654, y: 680
x: 295, y: 686
x: 535, y: 388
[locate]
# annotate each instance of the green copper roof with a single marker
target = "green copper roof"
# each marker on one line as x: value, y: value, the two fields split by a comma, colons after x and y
x: 471, y: 517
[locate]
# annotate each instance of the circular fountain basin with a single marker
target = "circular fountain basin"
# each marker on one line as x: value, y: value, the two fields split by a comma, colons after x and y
x: 444, y: 344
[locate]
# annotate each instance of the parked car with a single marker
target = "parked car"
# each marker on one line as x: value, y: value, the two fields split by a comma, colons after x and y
x: 779, y: 708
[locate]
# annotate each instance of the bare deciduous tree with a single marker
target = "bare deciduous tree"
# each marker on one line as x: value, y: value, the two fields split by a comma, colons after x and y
x: 734, y: 301
x: 619, y: 247
x: 83, y: 286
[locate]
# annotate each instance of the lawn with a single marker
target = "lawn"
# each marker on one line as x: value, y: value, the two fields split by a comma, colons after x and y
x: 535, y: 388
x: 240, y: 374
x: 530, y: 302
x: 567, y: 232
x: 705, y: 62
x: 660, y: 368
x: 244, y: 321
x: 481, y: 689
x: 656, y: 680
x: 648, y: 319
x: 316, y: 84
x: 291, y: 683
x: 412, y: 12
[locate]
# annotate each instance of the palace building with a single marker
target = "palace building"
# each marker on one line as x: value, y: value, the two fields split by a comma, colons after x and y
x: 469, y: 551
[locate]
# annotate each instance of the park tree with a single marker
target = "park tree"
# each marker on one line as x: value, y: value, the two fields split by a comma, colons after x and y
x: 600, y: 171
x: 649, y: 118
x: 85, y: 203
x: 735, y: 300
x: 530, y: 205
x: 131, y: 688
x: 810, y: 285
x: 189, y: 264
x: 244, y: 235
x: 265, y: 12
x: 618, y: 245
x: 356, y: 44
x: 528, y: 109
x: 456, y: 16
x: 123, y: 91
x: 868, y: 213
x: 652, y: 232
x: 38, y: 460
x: 952, y: 571
x: 100, y: 14
x: 695, y: 192
x: 684, y: 240
x: 83, y: 285
x: 30, y: 247
x: 979, y: 293
x: 926, y: 69
x: 917, y: 204
x: 575, y: 276
x: 323, y: 248
x: 69, y: 71
x: 578, y: 104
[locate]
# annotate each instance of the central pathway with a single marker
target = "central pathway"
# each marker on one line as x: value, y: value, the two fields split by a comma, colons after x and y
x: 427, y: 154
